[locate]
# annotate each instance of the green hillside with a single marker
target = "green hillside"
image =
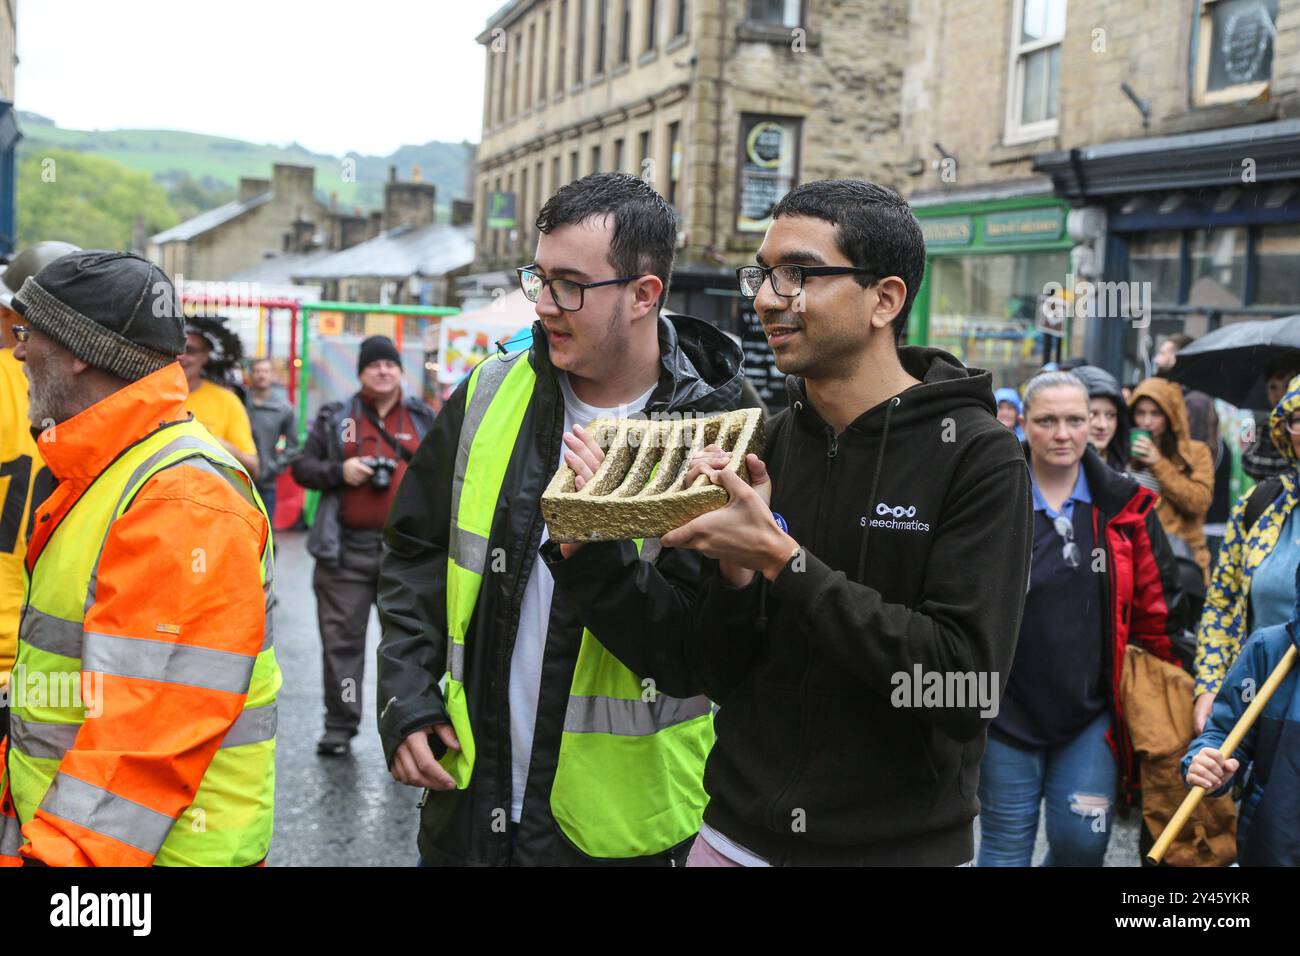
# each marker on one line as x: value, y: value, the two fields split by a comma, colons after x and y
x: 87, y: 200
x: 215, y: 164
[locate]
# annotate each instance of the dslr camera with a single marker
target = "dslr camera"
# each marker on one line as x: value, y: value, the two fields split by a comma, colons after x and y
x: 383, y: 469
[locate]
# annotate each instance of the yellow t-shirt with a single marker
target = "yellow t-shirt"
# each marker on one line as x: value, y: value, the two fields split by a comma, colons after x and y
x: 20, y: 460
x: 221, y: 412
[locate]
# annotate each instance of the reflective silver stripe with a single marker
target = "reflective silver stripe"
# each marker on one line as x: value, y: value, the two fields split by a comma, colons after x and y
x: 242, y: 488
x: 469, y: 550
x: 51, y: 634
x: 181, y: 443
x: 11, y: 836
x: 253, y: 726
x: 456, y: 660
x: 103, y: 812
x: 165, y: 661
x: 268, y: 631
x: 40, y: 740
x: 630, y: 718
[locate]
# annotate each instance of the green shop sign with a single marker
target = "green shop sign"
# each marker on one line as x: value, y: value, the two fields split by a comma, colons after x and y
x: 1024, y: 225
x: 949, y: 231
x: 501, y: 210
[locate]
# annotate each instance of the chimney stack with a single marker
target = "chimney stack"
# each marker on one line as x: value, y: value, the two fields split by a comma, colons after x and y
x: 250, y: 187
x: 408, y: 204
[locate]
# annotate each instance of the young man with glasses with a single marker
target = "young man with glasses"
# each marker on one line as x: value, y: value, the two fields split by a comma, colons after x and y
x: 1102, y: 575
x: 542, y: 747
x: 898, y: 562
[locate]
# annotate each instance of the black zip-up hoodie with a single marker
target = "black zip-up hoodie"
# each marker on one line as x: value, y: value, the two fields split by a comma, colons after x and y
x: 915, y: 524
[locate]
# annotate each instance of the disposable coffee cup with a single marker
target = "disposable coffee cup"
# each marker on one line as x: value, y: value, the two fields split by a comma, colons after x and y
x: 1134, y: 435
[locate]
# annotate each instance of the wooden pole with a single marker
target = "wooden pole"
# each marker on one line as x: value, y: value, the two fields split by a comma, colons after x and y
x: 1234, y: 738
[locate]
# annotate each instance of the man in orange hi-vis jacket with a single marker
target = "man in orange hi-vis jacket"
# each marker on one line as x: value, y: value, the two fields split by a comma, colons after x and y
x: 142, y: 701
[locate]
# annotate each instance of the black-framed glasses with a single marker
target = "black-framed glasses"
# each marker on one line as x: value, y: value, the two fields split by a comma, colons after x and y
x: 21, y: 332
x: 1070, y: 553
x: 787, y: 280
x: 568, y: 295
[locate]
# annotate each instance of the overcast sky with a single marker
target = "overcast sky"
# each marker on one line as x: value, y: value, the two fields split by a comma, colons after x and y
x: 334, y: 75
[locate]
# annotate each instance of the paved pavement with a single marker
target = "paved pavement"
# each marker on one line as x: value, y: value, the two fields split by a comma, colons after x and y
x: 349, y: 811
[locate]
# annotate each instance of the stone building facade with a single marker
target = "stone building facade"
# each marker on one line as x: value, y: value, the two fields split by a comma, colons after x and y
x: 9, y: 133
x: 961, y: 75
x: 1102, y: 141
x: 721, y: 104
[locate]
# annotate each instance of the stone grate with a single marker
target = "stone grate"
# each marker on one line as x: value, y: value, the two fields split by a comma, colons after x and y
x: 640, y: 490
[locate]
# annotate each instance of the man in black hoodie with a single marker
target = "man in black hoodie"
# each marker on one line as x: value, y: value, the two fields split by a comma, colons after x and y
x: 540, y: 747
x: 858, y: 656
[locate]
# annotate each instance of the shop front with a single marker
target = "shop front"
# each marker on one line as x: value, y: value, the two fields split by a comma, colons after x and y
x: 991, y: 255
x: 1206, y: 224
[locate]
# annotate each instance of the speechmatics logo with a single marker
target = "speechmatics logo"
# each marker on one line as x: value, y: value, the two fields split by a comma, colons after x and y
x: 895, y: 518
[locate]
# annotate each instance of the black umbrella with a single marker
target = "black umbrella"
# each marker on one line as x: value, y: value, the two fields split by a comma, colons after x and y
x: 1230, y: 363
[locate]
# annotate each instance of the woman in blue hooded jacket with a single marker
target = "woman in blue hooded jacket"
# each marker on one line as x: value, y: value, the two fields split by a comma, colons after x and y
x: 1268, y: 824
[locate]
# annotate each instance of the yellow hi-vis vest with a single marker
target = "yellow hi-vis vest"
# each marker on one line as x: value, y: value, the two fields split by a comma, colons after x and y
x: 629, y: 781
x: 237, y: 793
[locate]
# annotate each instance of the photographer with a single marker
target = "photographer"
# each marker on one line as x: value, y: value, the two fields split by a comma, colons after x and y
x: 356, y: 454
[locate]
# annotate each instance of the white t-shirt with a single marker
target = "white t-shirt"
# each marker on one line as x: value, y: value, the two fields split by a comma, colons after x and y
x: 535, y: 615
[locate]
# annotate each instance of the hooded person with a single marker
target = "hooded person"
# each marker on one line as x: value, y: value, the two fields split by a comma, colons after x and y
x: 826, y: 628
x: 1009, y: 404
x: 1108, y: 416
x: 1250, y: 588
x: 1268, y: 827
x: 1173, y: 465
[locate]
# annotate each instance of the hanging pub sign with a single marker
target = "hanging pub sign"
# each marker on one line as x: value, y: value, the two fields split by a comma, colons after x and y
x: 769, y: 148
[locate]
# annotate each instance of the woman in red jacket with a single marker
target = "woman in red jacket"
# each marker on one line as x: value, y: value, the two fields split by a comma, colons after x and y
x: 1101, y: 575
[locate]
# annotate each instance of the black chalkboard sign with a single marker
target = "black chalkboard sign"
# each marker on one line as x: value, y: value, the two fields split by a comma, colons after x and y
x: 760, y: 363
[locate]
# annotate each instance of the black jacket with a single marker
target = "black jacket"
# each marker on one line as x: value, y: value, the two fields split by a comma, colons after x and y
x: 320, y: 466
x: 916, y: 529
x: 700, y: 372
